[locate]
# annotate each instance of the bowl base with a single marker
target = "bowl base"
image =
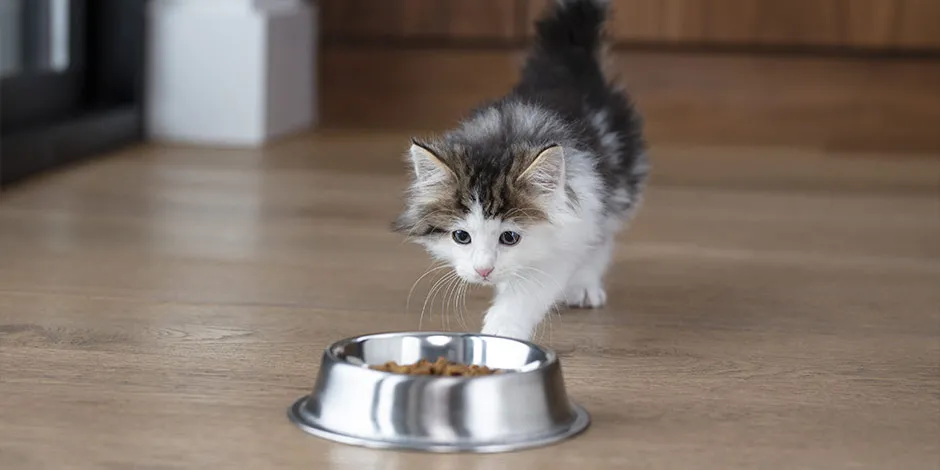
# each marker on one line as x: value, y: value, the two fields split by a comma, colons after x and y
x: 579, y: 424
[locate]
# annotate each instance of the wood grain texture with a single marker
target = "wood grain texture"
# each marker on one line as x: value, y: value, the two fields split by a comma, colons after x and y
x: 849, y: 104
x: 732, y: 21
x: 361, y: 18
x: 481, y: 19
x: 162, y: 307
x: 853, y: 24
x: 495, y: 20
x: 872, y: 23
x: 917, y: 25
x: 659, y: 20
x: 798, y: 22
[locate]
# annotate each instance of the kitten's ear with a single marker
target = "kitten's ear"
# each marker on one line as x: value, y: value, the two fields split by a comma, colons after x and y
x: 547, y: 171
x: 428, y: 168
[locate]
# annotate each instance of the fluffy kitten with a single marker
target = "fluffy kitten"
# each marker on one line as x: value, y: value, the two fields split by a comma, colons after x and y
x: 528, y: 192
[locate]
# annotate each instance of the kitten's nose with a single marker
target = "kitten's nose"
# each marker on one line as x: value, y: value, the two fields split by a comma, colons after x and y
x: 484, y: 271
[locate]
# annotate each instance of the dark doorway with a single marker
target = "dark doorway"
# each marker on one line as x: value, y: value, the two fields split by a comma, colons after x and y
x: 70, y: 81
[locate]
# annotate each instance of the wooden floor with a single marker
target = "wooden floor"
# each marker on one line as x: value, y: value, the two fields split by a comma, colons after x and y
x: 772, y: 308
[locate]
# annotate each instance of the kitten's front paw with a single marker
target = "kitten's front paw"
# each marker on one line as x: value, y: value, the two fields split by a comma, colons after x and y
x: 586, y: 297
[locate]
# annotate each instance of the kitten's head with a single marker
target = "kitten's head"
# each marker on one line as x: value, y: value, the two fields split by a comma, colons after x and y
x: 484, y: 209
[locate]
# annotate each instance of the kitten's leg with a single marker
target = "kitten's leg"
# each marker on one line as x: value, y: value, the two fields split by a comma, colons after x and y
x: 520, y: 306
x: 585, y: 288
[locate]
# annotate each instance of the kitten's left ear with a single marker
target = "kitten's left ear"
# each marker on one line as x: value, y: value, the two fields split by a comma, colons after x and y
x: 547, y: 171
x: 428, y: 167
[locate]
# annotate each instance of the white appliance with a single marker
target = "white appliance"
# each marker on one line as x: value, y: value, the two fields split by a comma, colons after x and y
x: 230, y: 72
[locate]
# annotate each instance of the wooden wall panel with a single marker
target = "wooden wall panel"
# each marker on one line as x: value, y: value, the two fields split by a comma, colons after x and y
x: 918, y: 24
x: 857, y: 104
x: 459, y: 19
x: 450, y: 19
x: 797, y: 22
x: 360, y: 18
x: 636, y: 20
x: 870, y: 24
x: 483, y: 18
x: 732, y: 21
x: 683, y: 20
x: 659, y: 20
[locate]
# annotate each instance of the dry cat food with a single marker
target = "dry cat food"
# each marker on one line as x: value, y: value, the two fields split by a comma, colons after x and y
x: 441, y: 367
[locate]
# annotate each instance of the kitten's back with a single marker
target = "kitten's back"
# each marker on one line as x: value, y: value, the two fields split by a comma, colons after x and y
x: 564, y: 73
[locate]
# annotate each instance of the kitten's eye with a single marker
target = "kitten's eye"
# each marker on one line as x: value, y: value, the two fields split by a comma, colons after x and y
x: 461, y: 237
x: 509, y: 238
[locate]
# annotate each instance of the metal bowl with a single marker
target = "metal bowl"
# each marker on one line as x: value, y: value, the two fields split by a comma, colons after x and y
x: 526, y: 406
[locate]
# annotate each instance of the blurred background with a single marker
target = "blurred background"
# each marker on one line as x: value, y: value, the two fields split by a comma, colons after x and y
x: 84, y: 77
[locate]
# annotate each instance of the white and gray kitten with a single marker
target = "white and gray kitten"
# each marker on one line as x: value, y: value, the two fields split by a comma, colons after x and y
x: 529, y: 191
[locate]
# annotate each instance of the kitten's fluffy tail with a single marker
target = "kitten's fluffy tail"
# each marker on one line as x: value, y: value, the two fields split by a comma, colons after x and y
x: 572, y: 27
x: 567, y: 49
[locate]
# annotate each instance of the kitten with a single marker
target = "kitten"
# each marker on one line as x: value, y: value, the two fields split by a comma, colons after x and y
x: 529, y: 191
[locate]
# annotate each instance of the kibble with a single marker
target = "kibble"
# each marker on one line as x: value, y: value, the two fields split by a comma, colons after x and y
x: 441, y: 367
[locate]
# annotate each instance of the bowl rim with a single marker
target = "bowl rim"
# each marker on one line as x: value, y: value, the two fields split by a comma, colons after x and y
x: 551, y: 357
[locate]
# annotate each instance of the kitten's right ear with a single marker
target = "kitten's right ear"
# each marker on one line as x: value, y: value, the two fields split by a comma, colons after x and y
x: 428, y: 168
x: 547, y: 170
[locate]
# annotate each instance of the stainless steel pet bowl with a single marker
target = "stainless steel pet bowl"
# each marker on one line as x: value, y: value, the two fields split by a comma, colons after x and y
x: 526, y: 406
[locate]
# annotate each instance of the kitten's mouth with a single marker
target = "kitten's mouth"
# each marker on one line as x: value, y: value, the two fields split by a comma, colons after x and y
x: 480, y: 281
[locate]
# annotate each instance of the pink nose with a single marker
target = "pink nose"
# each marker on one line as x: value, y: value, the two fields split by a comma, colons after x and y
x: 484, y: 271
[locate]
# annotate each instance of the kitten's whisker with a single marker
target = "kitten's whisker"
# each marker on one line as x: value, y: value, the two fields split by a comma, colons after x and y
x: 449, y: 293
x: 428, y: 297
x: 549, y: 277
x: 443, y: 292
x: 460, y: 303
x: 463, y: 303
x: 446, y: 300
x: 451, y: 299
x: 455, y: 299
x: 426, y: 273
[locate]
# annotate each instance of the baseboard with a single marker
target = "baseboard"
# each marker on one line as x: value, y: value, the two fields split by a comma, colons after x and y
x: 26, y: 154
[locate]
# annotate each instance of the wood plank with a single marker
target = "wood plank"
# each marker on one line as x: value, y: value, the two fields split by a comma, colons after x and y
x: 732, y: 21
x: 684, y: 20
x: 871, y: 23
x: 481, y: 19
x: 799, y: 23
x: 918, y: 24
x: 460, y: 19
x: 494, y: 20
x: 854, y: 24
x: 637, y: 20
x: 362, y: 18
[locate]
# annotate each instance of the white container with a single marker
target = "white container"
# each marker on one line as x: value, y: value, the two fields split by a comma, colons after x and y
x: 230, y: 72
